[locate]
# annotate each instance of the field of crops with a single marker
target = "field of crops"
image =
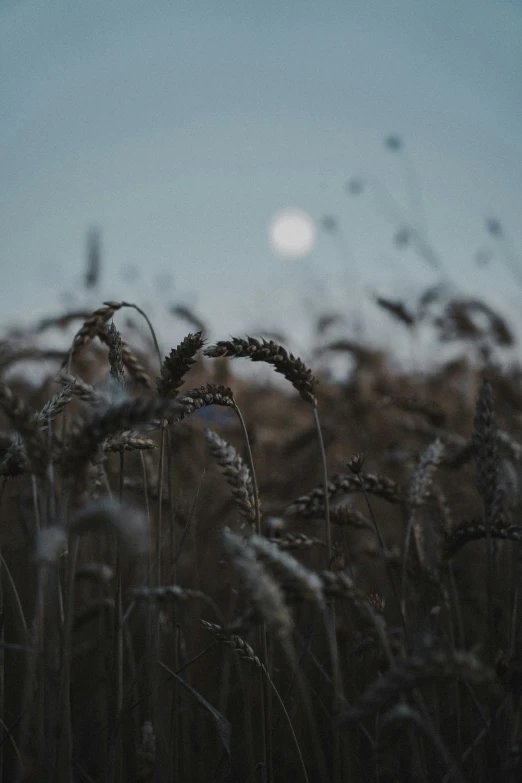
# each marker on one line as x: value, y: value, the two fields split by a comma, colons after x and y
x: 205, y: 577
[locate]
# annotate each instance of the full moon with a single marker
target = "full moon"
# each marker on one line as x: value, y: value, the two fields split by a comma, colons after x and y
x: 292, y: 233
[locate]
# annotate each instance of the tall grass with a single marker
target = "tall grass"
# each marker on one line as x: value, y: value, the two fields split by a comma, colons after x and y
x: 146, y: 556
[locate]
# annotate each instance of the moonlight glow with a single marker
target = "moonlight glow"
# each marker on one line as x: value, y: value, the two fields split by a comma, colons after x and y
x: 292, y: 233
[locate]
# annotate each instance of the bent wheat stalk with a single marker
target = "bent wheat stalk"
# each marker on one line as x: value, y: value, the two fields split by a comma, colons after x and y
x: 295, y: 371
x: 246, y: 653
x: 236, y: 473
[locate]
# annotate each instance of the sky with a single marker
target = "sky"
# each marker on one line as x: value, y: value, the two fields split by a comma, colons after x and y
x: 181, y: 128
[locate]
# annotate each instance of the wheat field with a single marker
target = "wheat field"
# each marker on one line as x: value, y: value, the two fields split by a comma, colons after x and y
x: 209, y: 578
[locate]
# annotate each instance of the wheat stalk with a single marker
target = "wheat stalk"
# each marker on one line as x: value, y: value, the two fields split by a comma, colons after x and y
x: 90, y: 328
x: 264, y: 591
x: 270, y: 352
x: 236, y: 473
x: 312, y: 504
x: 54, y: 406
x: 203, y: 396
x: 292, y: 541
x: 420, y: 486
x: 114, y: 342
x: 128, y: 441
x: 346, y: 516
x: 83, y: 390
x: 242, y: 648
x: 489, y: 486
x: 486, y: 456
x: 24, y: 421
x: 128, y: 358
x: 125, y: 520
x: 177, y: 364
x: 474, y: 531
x: 292, y: 575
x: 339, y: 585
x: 101, y: 425
x: 246, y: 653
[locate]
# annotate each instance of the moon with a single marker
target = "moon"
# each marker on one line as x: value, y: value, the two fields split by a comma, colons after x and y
x: 292, y: 233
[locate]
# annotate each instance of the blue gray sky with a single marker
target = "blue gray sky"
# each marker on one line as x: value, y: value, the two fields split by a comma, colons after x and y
x: 180, y: 128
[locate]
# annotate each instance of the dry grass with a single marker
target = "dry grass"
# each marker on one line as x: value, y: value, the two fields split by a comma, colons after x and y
x: 135, y: 583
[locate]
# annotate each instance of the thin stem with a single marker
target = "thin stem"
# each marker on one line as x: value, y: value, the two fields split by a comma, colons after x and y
x: 297, y: 676
x: 186, y: 528
x: 118, y: 651
x: 265, y: 696
x: 35, y: 671
x: 325, y: 484
x: 405, y: 562
x: 153, y: 333
x: 34, y: 488
x: 160, y: 498
x: 147, y: 512
x: 65, y: 746
x: 172, y: 513
x: 330, y: 621
x: 287, y: 716
x: 251, y: 466
x: 383, y: 552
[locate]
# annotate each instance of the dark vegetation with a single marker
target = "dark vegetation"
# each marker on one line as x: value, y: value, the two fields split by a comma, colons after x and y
x: 168, y: 613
